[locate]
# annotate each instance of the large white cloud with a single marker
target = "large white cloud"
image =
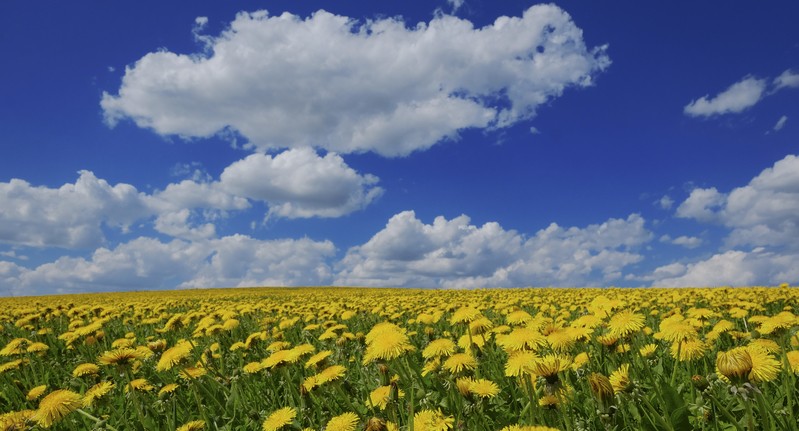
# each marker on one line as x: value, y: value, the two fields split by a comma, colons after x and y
x: 731, y: 268
x: 738, y: 97
x: 765, y: 212
x: 295, y: 183
x: 69, y: 216
x: 333, y: 82
x: 299, y: 183
x: 454, y: 253
x: 147, y: 263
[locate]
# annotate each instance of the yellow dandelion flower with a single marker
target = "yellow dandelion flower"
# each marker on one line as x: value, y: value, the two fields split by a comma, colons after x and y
x: 520, y: 363
x: 522, y: 339
x: 380, y: 396
x: 432, y: 420
x: 439, y: 347
x: 141, y: 385
x: 17, y: 420
x: 87, y: 369
x: 548, y: 400
x: 765, y: 367
x: 120, y: 357
x: 344, y: 422
x: 465, y: 315
x: 431, y: 366
x: 174, y: 356
x: 648, y: 350
x: 197, y: 425
x: 37, y: 347
x: 518, y: 317
x: 333, y: 372
x: 55, y: 406
x: 549, y: 366
x: 168, y: 389
x: 11, y: 365
x: 279, y: 418
x: 317, y: 358
x: 253, y: 367
x: 625, y: 323
x: 460, y: 362
x: 484, y: 388
x: 793, y: 360
x: 96, y: 392
x: 390, y: 345
x: 36, y: 392
x: 191, y: 373
x: 620, y: 379
x: 688, y: 350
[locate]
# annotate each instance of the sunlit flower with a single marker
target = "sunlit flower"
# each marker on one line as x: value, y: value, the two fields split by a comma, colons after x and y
x: 174, y: 356
x: 625, y: 323
x: 460, y: 362
x: 96, y: 392
x: 432, y: 420
x: 279, y: 418
x: 343, y: 422
x: 36, y: 392
x: 55, y: 406
x: 484, y: 388
x: 439, y: 347
x: 620, y: 379
x: 380, y: 396
x: 197, y: 425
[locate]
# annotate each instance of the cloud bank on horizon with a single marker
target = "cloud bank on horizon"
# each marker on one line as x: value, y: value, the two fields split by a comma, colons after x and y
x: 304, y: 97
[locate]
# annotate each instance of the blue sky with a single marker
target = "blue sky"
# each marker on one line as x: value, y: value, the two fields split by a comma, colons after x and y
x: 452, y: 144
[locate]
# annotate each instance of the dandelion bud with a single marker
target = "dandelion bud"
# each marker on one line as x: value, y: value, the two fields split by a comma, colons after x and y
x: 601, y: 388
x: 376, y: 424
x: 700, y: 382
x: 734, y: 364
x: 383, y: 368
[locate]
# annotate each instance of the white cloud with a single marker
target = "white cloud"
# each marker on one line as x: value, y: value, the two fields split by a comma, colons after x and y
x: 666, y: 202
x: 333, y: 82
x: 738, y: 97
x: 295, y: 183
x: 765, y: 212
x: 12, y: 254
x: 780, y: 123
x: 69, y: 216
x: 731, y: 268
x: 455, y: 4
x: 299, y: 183
x: 687, y: 241
x: 147, y: 263
x: 701, y: 204
x: 454, y: 253
x: 177, y: 224
x: 787, y: 79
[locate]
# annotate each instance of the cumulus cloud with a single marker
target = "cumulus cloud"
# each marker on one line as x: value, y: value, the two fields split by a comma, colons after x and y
x: 738, y: 97
x: 787, y: 79
x: 299, y: 183
x: 731, y: 268
x: 70, y: 216
x: 333, y: 82
x: 147, y: 263
x: 683, y: 240
x: 765, y: 212
x: 455, y: 253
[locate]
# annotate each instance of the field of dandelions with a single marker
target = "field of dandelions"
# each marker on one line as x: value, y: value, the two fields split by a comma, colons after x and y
x: 390, y: 359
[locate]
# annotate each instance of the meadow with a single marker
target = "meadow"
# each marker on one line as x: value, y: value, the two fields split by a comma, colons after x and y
x: 402, y: 359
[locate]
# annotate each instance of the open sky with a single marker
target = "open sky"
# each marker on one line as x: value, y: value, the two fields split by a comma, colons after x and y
x: 458, y: 144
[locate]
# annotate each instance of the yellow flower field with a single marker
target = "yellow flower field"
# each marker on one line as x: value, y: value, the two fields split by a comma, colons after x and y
x: 402, y: 359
